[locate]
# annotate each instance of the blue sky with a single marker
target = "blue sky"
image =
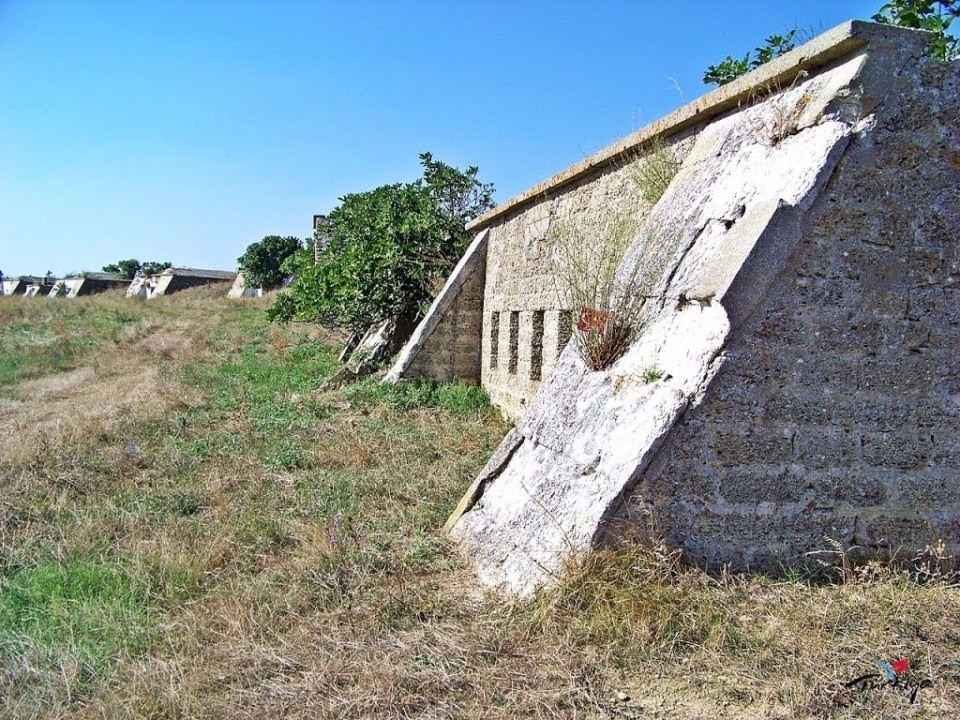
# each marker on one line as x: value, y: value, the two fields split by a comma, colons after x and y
x: 185, y: 131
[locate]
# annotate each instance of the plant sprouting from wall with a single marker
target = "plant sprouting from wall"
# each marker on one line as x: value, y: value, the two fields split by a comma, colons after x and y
x: 730, y: 68
x: 607, y: 311
x: 934, y: 16
x: 776, y: 113
x: 656, y: 171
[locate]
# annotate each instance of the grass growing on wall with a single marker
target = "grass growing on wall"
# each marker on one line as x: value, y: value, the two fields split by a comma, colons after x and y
x: 655, y: 171
x: 191, y: 527
x: 606, y: 304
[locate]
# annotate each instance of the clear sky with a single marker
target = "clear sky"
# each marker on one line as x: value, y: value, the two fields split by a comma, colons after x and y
x: 186, y: 130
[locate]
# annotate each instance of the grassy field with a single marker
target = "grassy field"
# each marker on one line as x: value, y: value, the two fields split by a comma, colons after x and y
x: 191, y: 527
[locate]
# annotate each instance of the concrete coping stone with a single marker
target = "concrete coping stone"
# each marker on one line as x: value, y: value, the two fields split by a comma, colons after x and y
x: 840, y: 41
x: 197, y: 272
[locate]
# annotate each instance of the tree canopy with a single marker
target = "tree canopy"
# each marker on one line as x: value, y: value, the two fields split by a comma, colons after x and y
x: 262, y: 263
x: 132, y: 267
x: 388, y: 249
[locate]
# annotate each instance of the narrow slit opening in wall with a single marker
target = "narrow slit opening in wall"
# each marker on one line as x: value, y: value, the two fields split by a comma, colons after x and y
x: 494, y: 339
x: 514, y: 341
x: 536, y: 346
x: 564, y: 329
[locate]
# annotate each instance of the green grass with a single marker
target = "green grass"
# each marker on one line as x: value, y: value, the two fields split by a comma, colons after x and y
x: 459, y: 398
x: 40, y: 336
x: 64, y: 625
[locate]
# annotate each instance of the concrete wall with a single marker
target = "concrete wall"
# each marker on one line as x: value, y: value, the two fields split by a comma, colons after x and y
x: 836, y: 412
x: 239, y: 289
x: 524, y: 326
x: 174, y: 279
x: 803, y: 272
x: 520, y: 292
x: 445, y: 346
x: 91, y: 284
x: 453, y: 353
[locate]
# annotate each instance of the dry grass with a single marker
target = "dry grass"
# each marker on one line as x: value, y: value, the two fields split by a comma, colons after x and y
x: 606, y: 303
x: 277, y: 551
x: 655, y: 171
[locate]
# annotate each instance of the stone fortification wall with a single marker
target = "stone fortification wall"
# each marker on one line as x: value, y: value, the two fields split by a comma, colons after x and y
x: 522, y: 329
x: 445, y: 346
x: 836, y: 411
x: 795, y: 382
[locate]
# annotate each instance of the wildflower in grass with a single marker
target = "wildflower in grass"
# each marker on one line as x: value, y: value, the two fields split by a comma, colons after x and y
x: 335, y: 540
x: 132, y: 454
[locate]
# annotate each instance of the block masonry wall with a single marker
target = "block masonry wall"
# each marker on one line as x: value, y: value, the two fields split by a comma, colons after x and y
x: 505, y: 329
x: 836, y: 410
x: 453, y: 352
x: 524, y: 328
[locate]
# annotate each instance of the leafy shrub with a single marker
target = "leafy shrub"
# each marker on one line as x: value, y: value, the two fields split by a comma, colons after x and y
x: 387, y: 249
x: 934, y: 16
x: 730, y: 68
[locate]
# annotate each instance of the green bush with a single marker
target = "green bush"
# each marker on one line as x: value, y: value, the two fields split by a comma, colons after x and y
x: 388, y: 250
x: 730, y: 68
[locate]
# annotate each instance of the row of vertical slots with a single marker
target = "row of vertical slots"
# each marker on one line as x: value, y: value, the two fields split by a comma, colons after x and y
x: 564, y: 329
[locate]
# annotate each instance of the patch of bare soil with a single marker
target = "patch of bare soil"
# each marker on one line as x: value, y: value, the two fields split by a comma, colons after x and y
x: 662, y: 697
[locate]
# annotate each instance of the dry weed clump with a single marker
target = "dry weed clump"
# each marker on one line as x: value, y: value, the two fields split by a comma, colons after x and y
x: 655, y: 171
x: 589, y: 282
x: 776, y: 113
x: 759, y: 646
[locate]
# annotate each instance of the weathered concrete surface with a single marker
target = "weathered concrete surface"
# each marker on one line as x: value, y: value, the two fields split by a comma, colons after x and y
x: 836, y: 410
x: 454, y: 318
x: 175, y: 278
x: 239, y: 289
x: 524, y: 328
x: 87, y: 284
x: 722, y: 258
